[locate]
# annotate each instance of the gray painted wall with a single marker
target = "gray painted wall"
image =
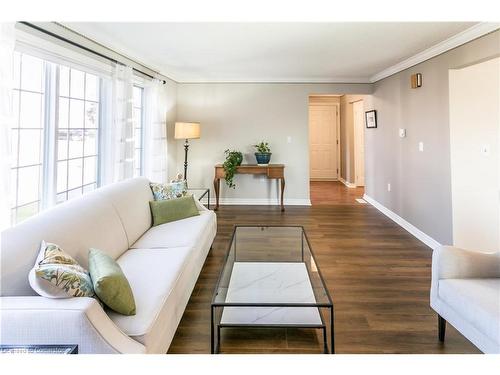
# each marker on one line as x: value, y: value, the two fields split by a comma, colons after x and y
x: 237, y: 115
x: 420, y: 181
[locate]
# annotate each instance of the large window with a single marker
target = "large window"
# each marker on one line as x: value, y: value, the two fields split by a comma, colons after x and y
x: 138, y: 130
x: 55, y: 138
x: 77, y: 133
x: 27, y: 136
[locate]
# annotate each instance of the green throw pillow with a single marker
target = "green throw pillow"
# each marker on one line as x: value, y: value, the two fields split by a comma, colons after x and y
x: 169, y: 210
x: 110, y: 284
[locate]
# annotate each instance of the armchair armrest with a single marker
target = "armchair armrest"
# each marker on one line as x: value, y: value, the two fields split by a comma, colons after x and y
x: 450, y: 262
x: 81, y: 321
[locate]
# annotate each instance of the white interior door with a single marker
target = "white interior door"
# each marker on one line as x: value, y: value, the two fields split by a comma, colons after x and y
x: 474, y: 134
x: 323, y: 142
x: 359, y: 143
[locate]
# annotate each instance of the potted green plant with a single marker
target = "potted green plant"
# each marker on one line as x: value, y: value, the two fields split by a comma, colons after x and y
x: 263, y: 154
x: 233, y: 160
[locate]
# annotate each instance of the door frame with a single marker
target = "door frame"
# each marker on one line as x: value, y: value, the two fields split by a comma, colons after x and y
x: 356, y: 149
x: 337, y: 132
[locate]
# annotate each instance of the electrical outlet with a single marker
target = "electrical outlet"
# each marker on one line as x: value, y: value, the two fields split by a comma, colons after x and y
x: 389, y: 187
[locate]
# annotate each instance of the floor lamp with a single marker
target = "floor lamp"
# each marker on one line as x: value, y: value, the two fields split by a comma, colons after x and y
x: 187, y: 131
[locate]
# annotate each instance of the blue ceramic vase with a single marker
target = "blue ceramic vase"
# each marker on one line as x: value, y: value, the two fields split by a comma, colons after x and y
x: 263, y: 158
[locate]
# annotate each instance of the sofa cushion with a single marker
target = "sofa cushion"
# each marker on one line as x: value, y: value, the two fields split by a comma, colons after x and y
x: 477, y: 300
x: 152, y: 274
x: 130, y: 198
x: 185, y: 232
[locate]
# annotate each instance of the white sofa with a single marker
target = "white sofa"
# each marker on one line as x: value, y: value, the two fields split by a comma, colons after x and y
x: 162, y: 265
x: 465, y: 291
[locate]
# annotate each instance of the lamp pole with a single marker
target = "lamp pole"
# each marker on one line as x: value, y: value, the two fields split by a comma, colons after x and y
x: 186, y: 147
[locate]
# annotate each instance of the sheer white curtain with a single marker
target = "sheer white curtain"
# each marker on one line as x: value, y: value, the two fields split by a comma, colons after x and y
x: 7, y: 43
x: 155, y: 131
x: 118, y: 151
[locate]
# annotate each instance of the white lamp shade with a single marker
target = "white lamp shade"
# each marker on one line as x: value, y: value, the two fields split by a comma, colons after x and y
x: 187, y: 130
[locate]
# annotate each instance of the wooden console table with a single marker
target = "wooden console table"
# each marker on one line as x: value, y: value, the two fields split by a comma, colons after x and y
x: 272, y: 171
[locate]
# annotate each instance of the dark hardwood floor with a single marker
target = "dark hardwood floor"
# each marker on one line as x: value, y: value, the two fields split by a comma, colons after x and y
x: 333, y: 193
x: 377, y: 273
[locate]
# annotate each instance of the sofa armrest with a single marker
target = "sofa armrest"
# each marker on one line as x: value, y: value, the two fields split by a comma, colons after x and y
x: 81, y: 321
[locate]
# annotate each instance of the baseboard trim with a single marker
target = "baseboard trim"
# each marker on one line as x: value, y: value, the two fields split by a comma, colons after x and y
x: 347, y: 183
x: 428, y: 240
x: 258, y: 202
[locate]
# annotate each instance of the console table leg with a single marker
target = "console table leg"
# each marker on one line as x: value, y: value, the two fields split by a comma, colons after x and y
x: 216, y: 188
x: 282, y: 193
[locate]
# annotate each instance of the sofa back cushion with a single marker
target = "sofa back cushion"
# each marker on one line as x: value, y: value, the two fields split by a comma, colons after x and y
x: 130, y: 198
x: 76, y: 225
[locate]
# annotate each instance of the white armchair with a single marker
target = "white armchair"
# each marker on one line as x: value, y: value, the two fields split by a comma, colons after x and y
x: 465, y: 292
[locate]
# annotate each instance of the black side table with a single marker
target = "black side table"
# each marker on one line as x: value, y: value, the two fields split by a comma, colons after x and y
x: 199, y: 193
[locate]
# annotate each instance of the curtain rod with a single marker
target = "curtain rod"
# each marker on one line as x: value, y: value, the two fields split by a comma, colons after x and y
x: 83, y: 47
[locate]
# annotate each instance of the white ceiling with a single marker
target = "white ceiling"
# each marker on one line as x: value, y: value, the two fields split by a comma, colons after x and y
x: 270, y: 52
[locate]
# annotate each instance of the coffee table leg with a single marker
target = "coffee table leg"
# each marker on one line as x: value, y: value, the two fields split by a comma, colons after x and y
x: 212, y: 349
x: 332, y: 334
x: 325, y: 341
x: 218, y: 340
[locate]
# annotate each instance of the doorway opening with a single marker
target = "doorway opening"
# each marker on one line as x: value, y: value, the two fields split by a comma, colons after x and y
x: 337, y: 148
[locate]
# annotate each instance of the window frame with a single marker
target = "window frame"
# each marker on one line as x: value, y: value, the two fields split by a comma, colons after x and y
x: 99, y: 133
x: 14, y: 209
x: 49, y: 128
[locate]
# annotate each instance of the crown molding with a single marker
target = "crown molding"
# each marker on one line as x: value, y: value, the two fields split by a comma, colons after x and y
x: 463, y: 37
x: 292, y: 80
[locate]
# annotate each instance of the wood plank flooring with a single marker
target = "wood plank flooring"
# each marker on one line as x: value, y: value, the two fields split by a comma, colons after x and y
x: 333, y: 193
x: 377, y: 273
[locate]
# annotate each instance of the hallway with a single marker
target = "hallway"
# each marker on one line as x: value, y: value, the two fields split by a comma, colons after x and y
x: 333, y: 193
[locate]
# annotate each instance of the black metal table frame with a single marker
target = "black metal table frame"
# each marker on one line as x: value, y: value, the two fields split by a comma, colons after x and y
x: 215, y: 325
x: 207, y: 193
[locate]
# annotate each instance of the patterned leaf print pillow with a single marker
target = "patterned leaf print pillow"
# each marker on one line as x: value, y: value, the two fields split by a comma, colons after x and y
x: 171, y: 190
x: 62, y: 271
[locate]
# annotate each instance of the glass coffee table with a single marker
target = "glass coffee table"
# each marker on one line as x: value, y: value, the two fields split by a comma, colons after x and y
x: 270, y: 279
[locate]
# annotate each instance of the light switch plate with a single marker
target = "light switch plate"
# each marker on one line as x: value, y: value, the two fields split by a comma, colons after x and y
x: 289, y: 139
x: 402, y: 133
x: 485, y: 150
x: 388, y: 187
x: 421, y: 146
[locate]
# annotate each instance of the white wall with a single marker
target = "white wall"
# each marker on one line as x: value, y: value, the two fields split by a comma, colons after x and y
x: 237, y: 115
x: 474, y: 132
x: 347, y: 170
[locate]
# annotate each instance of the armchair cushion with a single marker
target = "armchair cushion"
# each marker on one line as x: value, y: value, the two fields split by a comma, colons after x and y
x: 477, y: 300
